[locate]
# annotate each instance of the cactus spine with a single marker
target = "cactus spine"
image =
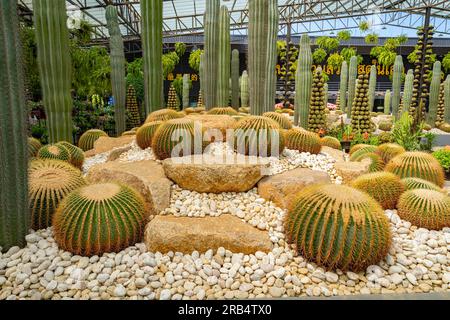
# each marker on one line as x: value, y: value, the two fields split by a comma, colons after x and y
x: 262, y: 30
x: 352, y: 74
x: 372, y: 87
x: 211, y: 53
x: 223, y: 83
x: 55, y: 67
x: 117, y: 68
x: 434, y: 94
x: 387, y: 102
x: 244, y: 90
x: 447, y: 99
x: 185, y: 91
x: 303, y: 83
x: 397, y: 85
x: 14, y: 214
x: 152, y: 26
x: 408, y: 91
x: 235, y: 79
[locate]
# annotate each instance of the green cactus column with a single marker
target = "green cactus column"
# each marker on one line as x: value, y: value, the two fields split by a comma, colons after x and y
x: 55, y: 66
x: 223, y: 82
x: 211, y: 53
x: 387, y: 102
x: 434, y: 94
x: 397, y: 84
x: 262, y: 28
x: 235, y: 79
x: 352, y: 74
x: 117, y: 68
x: 408, y: 91
x: 244, y: 90
x: 372, y: 87
x: 186, y: 91
x: 201, y: 73
x: 14, y: 212
x: 343, y: 86
x: 152, y: 26
x: 303, y: 83
x: 447, y: 99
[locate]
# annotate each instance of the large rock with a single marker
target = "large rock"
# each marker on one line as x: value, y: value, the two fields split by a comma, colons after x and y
x: 337, y: 155
x: 282, y: 188
x: 219, y: 122
x: 351, y: 170
x: 106, y: 144
x: 185, y: 234
x: 207, y: 174
x: 147, y: 177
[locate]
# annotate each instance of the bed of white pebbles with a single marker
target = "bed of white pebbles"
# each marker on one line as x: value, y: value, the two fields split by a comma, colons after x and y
x: 417, y: 262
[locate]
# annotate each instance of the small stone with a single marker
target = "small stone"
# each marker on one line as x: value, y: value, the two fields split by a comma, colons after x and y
x: 331, y: 277
x: 276, y: 292
x: 165, y: 294
x: 120, y: 291
x: 411, y: 278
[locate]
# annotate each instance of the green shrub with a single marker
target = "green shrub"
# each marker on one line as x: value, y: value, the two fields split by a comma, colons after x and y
x: 443, y: 156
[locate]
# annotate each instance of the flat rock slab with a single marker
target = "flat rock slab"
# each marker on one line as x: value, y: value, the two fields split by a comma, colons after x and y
x: 147, y: 177
x: 105, y: 144
x: 186, y: 235
x: 351, y: 170
x: 282, y: 188
x: 207, y: 174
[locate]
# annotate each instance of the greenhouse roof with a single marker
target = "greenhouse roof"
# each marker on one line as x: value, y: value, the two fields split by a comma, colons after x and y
x: 185, y: 17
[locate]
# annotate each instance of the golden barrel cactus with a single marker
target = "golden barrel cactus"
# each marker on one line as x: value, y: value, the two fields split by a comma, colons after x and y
x: 338, y: 227
x: 54, y: 152
x: 358, y: 147
x: 331, y: 142
x: 388, y: 151
x: 144, y: 135
x: 303, y: 141
x: 163, y: 115
x: 281, y: 119
x: 376, y: 163
x: 33, y: 147
x: 88, y: 139
x: 228, y: 111
x: 356, y: 155
x: 99, y: 218
x: 425, y: 208
x: 417, y: 183
x: 76, y: 154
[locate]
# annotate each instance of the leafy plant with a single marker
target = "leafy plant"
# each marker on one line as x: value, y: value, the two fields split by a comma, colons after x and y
x: 404, y: 134
x: 412, y: 57
x: 135, y: 78
x: 170, y: 61
x: 443, y: 156
x: 371, y: 38
x: 344, y: 35
x: 364, y: 26
x: 327, y: 43
x: 194, y: 59
x: 319, y: 55
x: 335, y: 60
x: 180, y: 49
x: 429, y: 138
x: 401, y: 39
x: 446, y: 62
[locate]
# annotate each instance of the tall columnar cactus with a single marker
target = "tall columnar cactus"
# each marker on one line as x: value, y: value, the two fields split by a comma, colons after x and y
x: 262, y: 31
x: 441, y: 106
x: 134, y: 119
x: 235, y: 79
x: 152, y: 26
x: 447, y: 99
x: 387, y: 102
x: 244, y: 90
x: 317, y: 116
x: 201, y: 72
x: 408, y: 91
x: 343, y: 86
x: 303, y: 83
x: 223, y: 82
x: 55, y: 66
x: 397, y: 85
x: 325, y: 95
x: 434, y: 94
x: 14, y: 214
x: 352, y: 74
x: 186, y: 91
x: 372, y: 87
x: 360, y: 110
x: 117, y: 68
x: 211, y: 54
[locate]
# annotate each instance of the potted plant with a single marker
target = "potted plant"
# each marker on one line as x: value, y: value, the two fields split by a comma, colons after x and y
x: 347, y: 137
x: 443, y: 156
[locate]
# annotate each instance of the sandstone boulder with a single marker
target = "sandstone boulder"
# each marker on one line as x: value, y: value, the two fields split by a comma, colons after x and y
x: 219, y: 122
x: 147, y: 177
x: 207, y: 174
x: 185, y: 234
x: 105, y: 144
x: 337, y: 155
x: 282, y: 188
x: 351, y: 170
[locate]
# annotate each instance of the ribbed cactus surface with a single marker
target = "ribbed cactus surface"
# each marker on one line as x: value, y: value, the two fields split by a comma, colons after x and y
x: 331, y: 142
x: 356, y: 154
x: 303, y: 83
x: 338, y: 227
x: 55, y: 66
x: 223, y: 63
x: 223, y: 111
x: 88, y: 139
x: 447, y: 99
x: 372, y: 87
x: 152, y: 28
x: 134, y: 119
x: 408, y: 91
x: 163, y: 115
x: 343, y: 85
x: 235, y: 79
x: 54, y: 152
x: 186, y: 88
x: 33, y: 147
x: 397, y: 85
x: 317, y: 116
x: 50, y: 182
x: 245, y: 93
x: 417, y: 183
x: 14, y: 215
x: 117, y: 68
x: 283, y: 121
x: 99, y: 218
x: 145, y: 134
x: 388, y: 151
x: 376, y: 163
x: 211, y: 54
x: 303, y: 141
x: 361, y: 121
x: 357, y: 147
x: 434, y: 94
x: 387, y: 102
x: 425, y: 208
x: 352, y: 76
x: 76, y: 154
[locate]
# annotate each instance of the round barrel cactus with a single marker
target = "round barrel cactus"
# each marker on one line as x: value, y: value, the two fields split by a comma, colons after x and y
x: 99, y: 218
x: 175, y: 132
x: 88, y: 139
x: 257, y: 136
x: 33, y: 147
x: 129, y: 133
x: 282, y: 120
x: 49, y: 182
x: 417, y: 183
x: 163, y: 115
x: 331, y: 142
x: 144, y: 135
x: 54, y: 152
x: 425, y: 208
x: 357, y: 147
x: 228, y: 111
x: 356, y: 155
x: 76, y: 154
x: 376, y: 163
x: 385, y: 187
x: 338, y: 227
x: 388, y: 151
x: 417, y: 165
x: 303, y: 141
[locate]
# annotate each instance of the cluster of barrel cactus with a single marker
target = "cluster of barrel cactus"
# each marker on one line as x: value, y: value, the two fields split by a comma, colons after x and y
x: 317, y: 116
x: 303, y: 141
x: 388, y: 151
x: 360, y: 110
x: 88, y: 139
x: 223, y: 111
x: 144, y: 135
